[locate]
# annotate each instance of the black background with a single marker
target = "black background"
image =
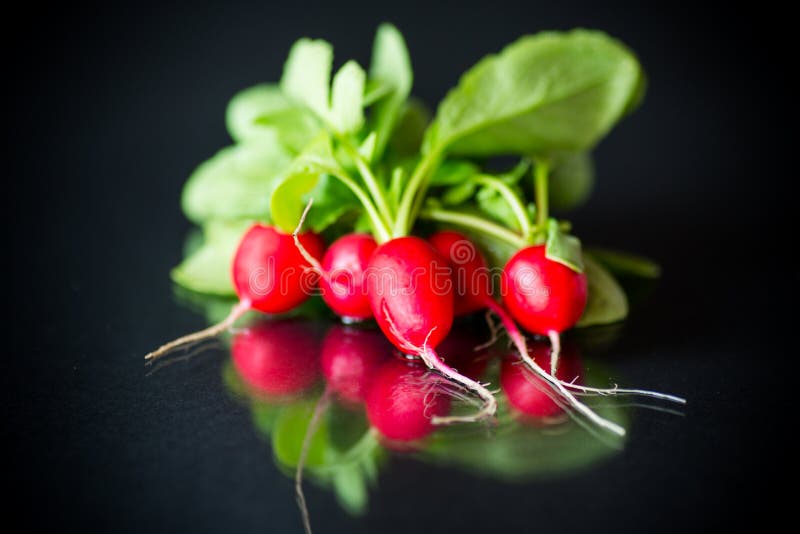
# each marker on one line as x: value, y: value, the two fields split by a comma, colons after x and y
x: 111, y: 108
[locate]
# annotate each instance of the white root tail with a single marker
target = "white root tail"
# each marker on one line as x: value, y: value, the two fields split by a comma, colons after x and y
x: 212, y: 331
x: 555, y: 350
x: 311, y: 429
x: 519, y: 341
x: 487, y: 410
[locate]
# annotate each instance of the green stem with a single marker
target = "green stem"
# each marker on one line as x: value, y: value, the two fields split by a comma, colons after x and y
x: 540, y: 182
x: 408, y: 202
x: 373, y: 185
x: 379, y: 227
x: 512, y: 199
x: 475, y: 223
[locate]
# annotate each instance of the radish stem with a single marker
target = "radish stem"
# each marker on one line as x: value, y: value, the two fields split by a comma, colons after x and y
x: 474, y: 223
x: 512, y: 199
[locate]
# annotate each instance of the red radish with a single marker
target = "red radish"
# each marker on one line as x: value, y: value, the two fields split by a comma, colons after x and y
x: 269, y: 271
x: 403, y: 401
x: 527, y: 393
x: 277, y: 359
x: 471, y: 277
x: 269, y: 275
x: 544, y: 296
x: 409, y: 286
x: 350, y: 358
x: 454, y: 245
x: 342, y: 281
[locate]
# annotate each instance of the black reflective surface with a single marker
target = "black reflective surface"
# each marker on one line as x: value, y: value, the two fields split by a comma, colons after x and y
x: 112, y: 108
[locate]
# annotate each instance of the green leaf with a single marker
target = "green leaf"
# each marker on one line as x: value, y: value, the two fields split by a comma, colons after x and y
x: 409, y: 131
x: 307, y: 74
x: 332, y: 200
x: 351, y: 489
x: 288, y: 433
x: 264, y: 416
x: 247, y: 105
x: 236, y: 183
x: 571, y: 180
x: 459, y: 193
x: 208, y: 269
x: 374, y: 90
x: 347, y: 99
x: 289, y: 198
x: 391, y: 66
x: 493, y: 204
x: 453, y: 172
x: 607, y: 301
x: 626, y: 263
x: 563, y: 248
x: 546, y: 92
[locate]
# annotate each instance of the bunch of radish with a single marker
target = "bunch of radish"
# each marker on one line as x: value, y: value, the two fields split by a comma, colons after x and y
x: 358, y: 164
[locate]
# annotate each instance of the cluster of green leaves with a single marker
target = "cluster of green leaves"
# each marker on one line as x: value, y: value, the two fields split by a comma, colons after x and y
x: 374, y: 159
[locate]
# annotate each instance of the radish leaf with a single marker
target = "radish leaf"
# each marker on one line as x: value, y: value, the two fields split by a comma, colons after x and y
x: 607, y: 301
x: 208, y: 269
x: 545, y: 92
x: 236, y: 183
x: 563, y: 248
x: 307, y: 74
x: 391, y: 66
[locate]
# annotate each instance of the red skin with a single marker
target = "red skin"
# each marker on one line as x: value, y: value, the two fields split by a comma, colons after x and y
x: 277, y: 358
x: 344, y: 263
x: 351, y: 358
x: 542, y: 295
x: 410, y: 293
x: 400, y: 402
x: 528, y: 394
x: 268, y: 271
x: 471, y: 277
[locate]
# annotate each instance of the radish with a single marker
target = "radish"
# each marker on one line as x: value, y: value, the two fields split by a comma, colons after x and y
x: 277, y: 359
x: 269, y: 275
x: 402, y: 402
x: 350, y: 358
x: 544, y: 296
x: 530, y: 395
x: 410, y: 289
x: 468, y: 264
x: 342, y: 280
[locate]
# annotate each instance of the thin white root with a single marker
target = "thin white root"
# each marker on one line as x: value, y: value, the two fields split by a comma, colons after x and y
x: 608, y: 392
x: 238, y: 310
x: 555, y: 350
x: 493, y: 330
x: 573, y: 402
x: 519, y: 341
x: 489, y: 406
x: 312, y: 261
x: 313, y: 424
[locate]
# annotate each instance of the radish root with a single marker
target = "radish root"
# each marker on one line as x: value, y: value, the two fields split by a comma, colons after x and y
x: 519, y: 341
x: 311, y: 429
x: 212, y: 331
x: 555, y: 350
x: 489, y: 408
x: 316, y: 266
